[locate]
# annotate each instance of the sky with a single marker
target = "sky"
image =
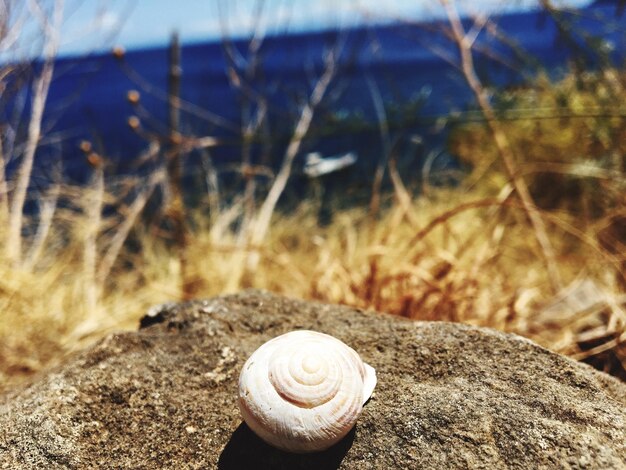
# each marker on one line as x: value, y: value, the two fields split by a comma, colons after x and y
x: 94, y: 25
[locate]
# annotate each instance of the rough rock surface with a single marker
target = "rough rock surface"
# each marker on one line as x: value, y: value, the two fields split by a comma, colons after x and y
x: 449, y: 396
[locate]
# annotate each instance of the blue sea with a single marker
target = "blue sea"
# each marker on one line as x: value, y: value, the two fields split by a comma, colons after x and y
x: 398, y: 64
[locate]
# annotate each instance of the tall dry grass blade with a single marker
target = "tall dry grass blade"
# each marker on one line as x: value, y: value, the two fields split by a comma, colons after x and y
x: 383, y: 127
x: 402, y: 194
x: 47, y: 209
x: 224, y: 220
x: 94, y: 203
x: 444, y: 217
x: 4, y: 187
x: 212, y: 184
x: 121, y: 233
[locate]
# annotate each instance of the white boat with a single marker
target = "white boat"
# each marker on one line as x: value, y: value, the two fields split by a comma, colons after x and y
x: 316, y: 165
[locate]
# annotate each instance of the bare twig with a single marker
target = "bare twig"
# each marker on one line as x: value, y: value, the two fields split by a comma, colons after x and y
x: 41, y: 86
x: 464, y: 44
x: 176, y: 212
x: 302, y: 127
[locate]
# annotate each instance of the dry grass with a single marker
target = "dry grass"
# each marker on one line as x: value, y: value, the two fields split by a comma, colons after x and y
x: 451, y: 257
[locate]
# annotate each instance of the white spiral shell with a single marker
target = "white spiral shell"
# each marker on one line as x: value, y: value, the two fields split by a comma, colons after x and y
x: 303, y: 391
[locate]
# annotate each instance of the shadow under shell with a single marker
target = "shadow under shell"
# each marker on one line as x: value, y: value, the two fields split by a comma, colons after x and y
x: 246, y: 450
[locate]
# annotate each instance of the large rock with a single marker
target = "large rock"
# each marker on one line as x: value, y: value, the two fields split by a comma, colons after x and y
x: 449, y: 396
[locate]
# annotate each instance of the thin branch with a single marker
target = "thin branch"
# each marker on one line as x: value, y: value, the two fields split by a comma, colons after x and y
x: 41, y: 86
x: 479, y: 23
x: 302, y: 127
x: 502, y: 143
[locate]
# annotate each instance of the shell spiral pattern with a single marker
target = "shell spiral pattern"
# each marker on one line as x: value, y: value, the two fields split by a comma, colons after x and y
x: 303, y: 391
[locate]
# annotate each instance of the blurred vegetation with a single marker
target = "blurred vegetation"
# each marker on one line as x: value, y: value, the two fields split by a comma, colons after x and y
x: 454, y: 256
x: 570, y: 141
x: 569, y: 138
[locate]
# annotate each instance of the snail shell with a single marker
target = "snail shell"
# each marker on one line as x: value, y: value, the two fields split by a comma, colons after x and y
x: 303, y: 391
